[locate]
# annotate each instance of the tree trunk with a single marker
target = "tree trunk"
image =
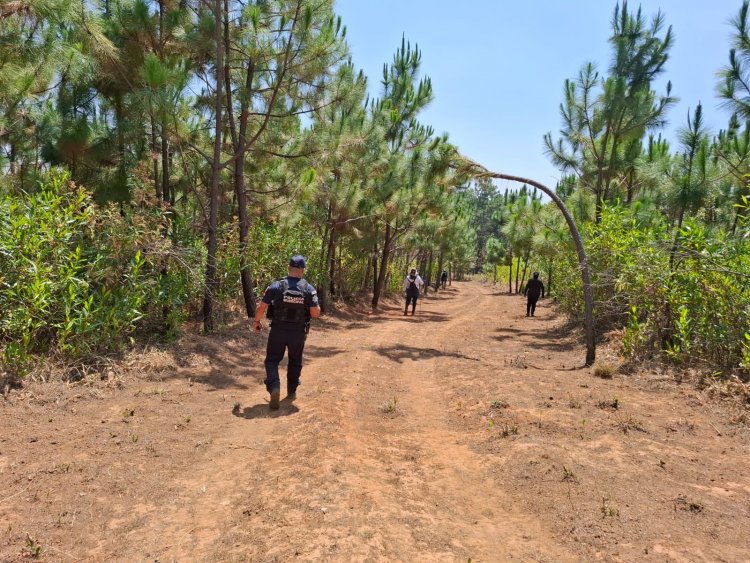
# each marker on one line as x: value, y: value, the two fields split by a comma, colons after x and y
x: 630, y: 187
x: 549, y: 280
x: 439, y: 271
x: 429, y: 274
x: 380, y: 283
x: 588, y: 292
x: 154, y: 158
x: 510, y: 272
x: 402, y: 262
x: 12, y: 159
x: 166, y: 198
x: 323, y: 286
x: 339, y: 261
x: 165, y: 188
x: 330, y: 262
x: 324, y: 238
x: 409, y: 260
x: 211, y: 282
x: 244, y: 226
x: 422, y: 263
x: 239, y: 146
x: 525, y: 267
x: 374, y: 269
x: 368, y: 272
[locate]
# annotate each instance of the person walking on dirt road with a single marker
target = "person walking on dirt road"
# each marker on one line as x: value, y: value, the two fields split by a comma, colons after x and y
x: 534, y: 288
x: 444, y: 278
x: 290, y: 303
x: 412, y: 284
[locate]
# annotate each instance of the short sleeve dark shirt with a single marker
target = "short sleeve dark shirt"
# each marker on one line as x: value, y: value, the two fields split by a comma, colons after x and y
x: 534, y: 288
x: 274, y: 292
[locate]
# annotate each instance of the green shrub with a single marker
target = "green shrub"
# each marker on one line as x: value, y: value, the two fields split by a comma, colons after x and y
x: 694, y: 307
x: 77, y: 279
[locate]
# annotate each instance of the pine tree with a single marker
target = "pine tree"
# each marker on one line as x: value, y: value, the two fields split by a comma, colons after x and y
x: 404, y: 138
x: 734, y: 88
x: 605, y: 119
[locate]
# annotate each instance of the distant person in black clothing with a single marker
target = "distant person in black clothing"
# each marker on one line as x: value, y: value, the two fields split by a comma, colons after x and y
x: 534, y: 288
x: 444, y: 278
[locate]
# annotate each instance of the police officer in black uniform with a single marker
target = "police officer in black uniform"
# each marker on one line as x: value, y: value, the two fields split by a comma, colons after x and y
x: 534, y: 288
x: 290, y: 303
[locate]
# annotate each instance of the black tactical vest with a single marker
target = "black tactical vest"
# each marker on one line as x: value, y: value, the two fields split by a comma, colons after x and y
x: 289, y: 307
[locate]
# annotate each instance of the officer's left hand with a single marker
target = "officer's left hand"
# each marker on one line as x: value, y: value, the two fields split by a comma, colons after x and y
x: 257, y: 326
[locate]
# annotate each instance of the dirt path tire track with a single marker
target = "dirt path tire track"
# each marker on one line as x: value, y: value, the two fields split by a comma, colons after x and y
x: 341, y: 480
x: 409, y: 468
x: 497, y: 451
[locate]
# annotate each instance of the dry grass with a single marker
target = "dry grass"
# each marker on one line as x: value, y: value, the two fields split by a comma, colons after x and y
x: 390, y: 407
x: 630, y: 424
x: 604, y: 370
x: 498, y: 404
x: 732, y: 387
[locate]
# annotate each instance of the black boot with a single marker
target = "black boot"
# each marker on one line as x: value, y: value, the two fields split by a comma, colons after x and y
x: 274, y: 403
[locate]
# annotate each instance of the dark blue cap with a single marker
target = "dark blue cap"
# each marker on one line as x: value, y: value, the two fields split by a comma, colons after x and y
x: 298, y: 261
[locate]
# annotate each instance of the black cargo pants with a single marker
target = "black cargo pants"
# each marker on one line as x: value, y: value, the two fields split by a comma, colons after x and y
x: 281, y: 340
x: 411, y: 298
x: 531, y: 304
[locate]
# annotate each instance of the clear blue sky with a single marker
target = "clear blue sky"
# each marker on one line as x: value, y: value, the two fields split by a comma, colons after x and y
x: 498, y: 66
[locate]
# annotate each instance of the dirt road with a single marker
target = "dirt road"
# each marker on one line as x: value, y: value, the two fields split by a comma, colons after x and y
x: 467, y: 432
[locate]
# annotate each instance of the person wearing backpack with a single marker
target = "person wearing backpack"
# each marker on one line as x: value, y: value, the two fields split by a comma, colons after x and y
x: 412, y: 284
x: 290, y: 303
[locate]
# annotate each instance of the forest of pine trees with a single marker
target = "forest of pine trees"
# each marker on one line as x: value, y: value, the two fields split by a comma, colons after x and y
x: 161, y: 160
x: 666, y: 227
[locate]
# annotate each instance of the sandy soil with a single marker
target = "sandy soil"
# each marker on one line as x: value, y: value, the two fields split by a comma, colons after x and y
x: 467, y: 432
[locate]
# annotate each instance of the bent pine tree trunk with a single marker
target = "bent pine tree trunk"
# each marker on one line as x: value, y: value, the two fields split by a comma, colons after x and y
x: 480, y: 171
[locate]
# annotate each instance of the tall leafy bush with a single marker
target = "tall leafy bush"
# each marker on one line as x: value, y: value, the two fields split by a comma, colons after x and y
x: 77, y: 279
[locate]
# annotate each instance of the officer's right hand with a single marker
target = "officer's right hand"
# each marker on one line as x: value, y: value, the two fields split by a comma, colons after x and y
x: 257, y: 326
